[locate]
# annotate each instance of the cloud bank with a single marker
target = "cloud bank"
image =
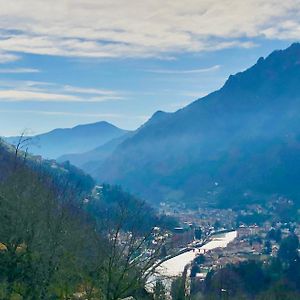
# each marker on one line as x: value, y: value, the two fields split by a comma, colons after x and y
x: 35, y: 91
x: 116, y: 28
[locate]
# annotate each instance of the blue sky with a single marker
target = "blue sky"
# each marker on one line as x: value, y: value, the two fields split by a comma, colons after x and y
x: 64, y: 63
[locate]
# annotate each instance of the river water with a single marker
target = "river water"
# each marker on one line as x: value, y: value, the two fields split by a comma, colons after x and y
x: 175, y: 266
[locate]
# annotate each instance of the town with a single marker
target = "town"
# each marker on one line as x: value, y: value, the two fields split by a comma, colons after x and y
x: 257, y: 233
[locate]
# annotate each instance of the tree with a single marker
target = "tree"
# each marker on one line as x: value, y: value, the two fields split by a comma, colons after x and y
x: 252, y: 275
x: 194, y: 270
x: 132, y: 254
x: 288, y: 250
x: 200, y: 259
x: 217, y: 225
x: 279, y: 291
x: 293, y: 274
x: 159, y: 291
x: 198, y: 233
x: 274, y: 234
x: 44, y: 242
x: 268, y: 247
x: 52, y: 246
x: 225, y: 283
x: 178, y: 289
x: 163, y: 252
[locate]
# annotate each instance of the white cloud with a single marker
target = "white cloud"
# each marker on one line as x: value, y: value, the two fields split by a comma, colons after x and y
x: 19, y: 70
x: 192, y: 71
x: 23, y: 95
x: 35, y: 91
x: 80, y: 90
x: 117, y: 28
x: 35, y: 96
x: 7, y: 57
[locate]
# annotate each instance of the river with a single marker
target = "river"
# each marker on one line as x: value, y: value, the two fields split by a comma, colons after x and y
x: 175, y: 266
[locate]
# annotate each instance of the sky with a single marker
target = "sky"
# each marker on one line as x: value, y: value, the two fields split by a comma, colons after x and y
x: 69, y: 62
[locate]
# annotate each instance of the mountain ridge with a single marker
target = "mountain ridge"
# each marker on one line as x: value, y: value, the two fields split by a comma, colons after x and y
x: 77, y: 139
x: 87, y: 160
x: 182, y: 154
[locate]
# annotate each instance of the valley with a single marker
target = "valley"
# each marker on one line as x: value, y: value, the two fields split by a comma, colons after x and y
x: 194, y: 204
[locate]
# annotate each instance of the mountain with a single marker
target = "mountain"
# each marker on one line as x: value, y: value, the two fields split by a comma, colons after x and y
x: 90, y: 160
x: 238, y: 144
x: 61, y: 178
x: 72, y: 140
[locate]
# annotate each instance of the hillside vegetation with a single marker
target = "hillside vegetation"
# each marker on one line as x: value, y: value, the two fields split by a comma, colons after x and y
x: 59, y: 241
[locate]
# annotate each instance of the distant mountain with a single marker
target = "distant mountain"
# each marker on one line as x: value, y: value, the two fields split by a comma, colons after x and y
x: 61, y: 178
x: 91, y: 160
x: 238, y: 144
x: 78, y: 139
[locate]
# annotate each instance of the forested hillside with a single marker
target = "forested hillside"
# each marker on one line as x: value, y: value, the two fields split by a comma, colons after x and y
x: 63, y: 240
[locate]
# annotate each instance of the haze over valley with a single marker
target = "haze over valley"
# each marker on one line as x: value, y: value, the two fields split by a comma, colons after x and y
x: 150, y: 150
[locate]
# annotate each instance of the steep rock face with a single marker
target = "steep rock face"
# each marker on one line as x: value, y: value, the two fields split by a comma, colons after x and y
x: 236, y: 141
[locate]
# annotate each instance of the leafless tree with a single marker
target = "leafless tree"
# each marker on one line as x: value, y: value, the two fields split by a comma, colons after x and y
x: 131, y: 254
